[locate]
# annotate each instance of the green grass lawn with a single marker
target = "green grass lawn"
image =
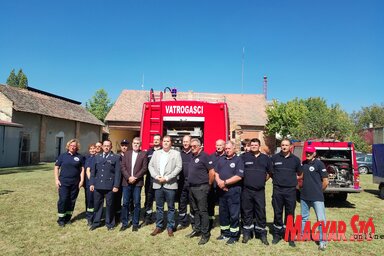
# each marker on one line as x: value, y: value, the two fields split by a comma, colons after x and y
x: 28, y: 214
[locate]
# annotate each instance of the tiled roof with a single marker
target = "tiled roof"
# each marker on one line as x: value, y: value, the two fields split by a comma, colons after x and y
x: 39, y: 103
x: 244, y: 109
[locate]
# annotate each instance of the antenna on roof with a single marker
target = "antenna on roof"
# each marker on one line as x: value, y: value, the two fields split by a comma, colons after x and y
x: 242, y: 71
x: 142, y: 82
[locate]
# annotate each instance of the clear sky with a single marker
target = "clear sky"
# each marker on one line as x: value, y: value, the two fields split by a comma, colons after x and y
x: 331, y: 48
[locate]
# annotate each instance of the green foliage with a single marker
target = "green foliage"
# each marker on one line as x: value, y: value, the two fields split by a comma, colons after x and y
x: 99, y: 105
x: 369, y: 115
x: 12, y: 79
x: 20, y: 80
x: 310, y: 118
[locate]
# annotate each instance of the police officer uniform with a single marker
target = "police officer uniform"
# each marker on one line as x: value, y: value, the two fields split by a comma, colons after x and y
x: 71, y: 167
x: 105, y: 175
x: 229, y: 199
x: 256, y: 169
x: 284, y: 175
x: 89, y: 202
x: 184, y: 221
x: 198, y: 180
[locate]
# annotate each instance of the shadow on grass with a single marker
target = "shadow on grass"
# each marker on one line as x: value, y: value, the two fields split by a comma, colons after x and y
x: 333, y: 203
x: 4, y: 192
x: 78, y: 217
x: 373, y: 192
x: 30, y: 168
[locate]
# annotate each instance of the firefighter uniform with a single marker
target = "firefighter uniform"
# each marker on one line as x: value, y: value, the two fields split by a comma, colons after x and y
x: 256, y: 168
x: 89, y: 203
x: 184, y: 194
x: 212, y: 196
x: 70, y: 166
x: 229, y: 201
x: 284, y: 175
x: 105, y: 175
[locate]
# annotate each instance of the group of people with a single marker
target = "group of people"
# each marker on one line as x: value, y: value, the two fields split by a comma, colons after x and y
x: 190, y: 177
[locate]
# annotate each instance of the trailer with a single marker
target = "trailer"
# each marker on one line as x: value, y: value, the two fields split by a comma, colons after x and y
x: 378, y: 167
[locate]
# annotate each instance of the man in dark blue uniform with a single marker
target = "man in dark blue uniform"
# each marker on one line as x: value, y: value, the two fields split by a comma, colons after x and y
x: 212, y: 196
x: 286, y: 168
x: 200, y: 178
x: 257, y: 169
x: 148, y: 189
x: 315, y: 181
x: 229, y: 173
x: 69, y: 178
x: 186, y: 156
x: 105, y: 181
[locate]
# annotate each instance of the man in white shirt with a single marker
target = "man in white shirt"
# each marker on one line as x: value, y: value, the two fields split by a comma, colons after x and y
x: 164, y: 167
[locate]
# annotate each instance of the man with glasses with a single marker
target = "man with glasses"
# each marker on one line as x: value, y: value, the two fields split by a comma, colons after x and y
x: 315, y: 181
x: 200, y: 178
x: 286, y: 168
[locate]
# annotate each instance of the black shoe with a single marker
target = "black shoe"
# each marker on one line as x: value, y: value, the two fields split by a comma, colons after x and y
x: 193, y: 234
x: 123, y: 228
x: 203, y: 240
x: 180, y: 227
x: 61, y: 224
x: 276, y: 239
x: 292, y: 244
x: 135, y: 229
x: 264, y: 240
x: 231, y: 241
x: 110, y: 228
x: 93, y: 228
x: 246, y: 239
x: 222, y: 237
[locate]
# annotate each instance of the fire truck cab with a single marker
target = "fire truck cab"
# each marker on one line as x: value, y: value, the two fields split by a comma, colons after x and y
x: 339, y: 159
x: 201, y: 119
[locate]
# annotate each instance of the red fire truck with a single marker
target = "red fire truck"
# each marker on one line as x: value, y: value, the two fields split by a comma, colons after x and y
x: 340, y: 161
x: 201, y: 119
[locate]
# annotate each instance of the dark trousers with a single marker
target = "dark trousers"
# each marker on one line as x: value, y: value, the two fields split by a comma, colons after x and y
x: 199, y: 203
x: 89, y: 201
x: 131, y: 193
x: 117, y: 203
x: 183, y: 205
x: 149, y: 196
x: 253, y: 206
x: 67, y: 200
x: 212, y: 200
x: 99, y: 195
x: 229, y: 211
x: 165, y: 195
x: 283, y: 198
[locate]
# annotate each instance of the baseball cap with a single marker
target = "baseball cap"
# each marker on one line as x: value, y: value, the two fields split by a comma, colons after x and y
x: 124, y: 142
x: 310, y: 149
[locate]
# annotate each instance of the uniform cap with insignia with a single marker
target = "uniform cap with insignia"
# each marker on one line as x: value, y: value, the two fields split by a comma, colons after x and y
x: 124, y: 142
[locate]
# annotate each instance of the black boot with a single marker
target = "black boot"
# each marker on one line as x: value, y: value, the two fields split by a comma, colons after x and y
x: 276, y: 238
x: 264, y: 239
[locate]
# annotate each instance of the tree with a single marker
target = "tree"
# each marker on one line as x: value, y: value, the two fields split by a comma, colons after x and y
x: 306, y: 119
x: 99, y: 105
x: 20, y: 80
x: 12, y: 79
x: 369, y: 115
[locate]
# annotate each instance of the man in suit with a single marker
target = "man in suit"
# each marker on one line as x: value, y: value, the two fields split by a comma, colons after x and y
x: 164, y: 167
x: 133, y: 167
x: 105, y: 181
